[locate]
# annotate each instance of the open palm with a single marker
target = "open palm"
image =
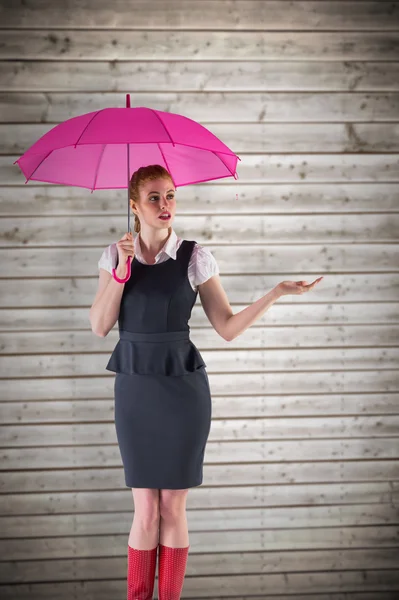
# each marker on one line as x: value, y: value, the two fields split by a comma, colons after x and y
x: 297, y: 287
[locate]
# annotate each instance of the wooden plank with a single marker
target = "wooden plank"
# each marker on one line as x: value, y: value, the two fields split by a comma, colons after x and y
x: 206, y: 15
x: 103, y: 590
x: 257, y: 137
x: 65, y: 358
x: 106, y: 456
x: 267, y: 361
x: 80, y: 411
x: 331, y: 560
x: 109, y: 45
x: 250, y: 230
x: 48, y: 286
x: 356, y: 319
x: 274, y: 261
x: 385, y: 492
x: 265, y: 338
x: 294, y: 517
x: 222, y: 430
x: 255, y: 168
x: 65, y: 479
x: 322, y: 538
x: 220, y: 587
x: 32, y: 200
x: 207, y: 106
x: 235, y: 384
x: 198, y: 76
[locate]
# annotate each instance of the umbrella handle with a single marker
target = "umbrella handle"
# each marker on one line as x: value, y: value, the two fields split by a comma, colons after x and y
x: 115, y: 276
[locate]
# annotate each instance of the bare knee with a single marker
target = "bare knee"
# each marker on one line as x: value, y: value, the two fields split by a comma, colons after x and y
x: 146, y: 506
x: 172, y: 503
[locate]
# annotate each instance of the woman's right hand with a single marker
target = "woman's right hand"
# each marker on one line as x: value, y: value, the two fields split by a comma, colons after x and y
x: 125, y: 248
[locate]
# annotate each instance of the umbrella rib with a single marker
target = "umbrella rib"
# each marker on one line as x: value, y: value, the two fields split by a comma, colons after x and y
x: 98, y: 166
x: 223, y: 163
x: 163, y: 124
x: 166, y: 162
x: 36, y: 168
x: 170, y: 137
x: 89, y: 123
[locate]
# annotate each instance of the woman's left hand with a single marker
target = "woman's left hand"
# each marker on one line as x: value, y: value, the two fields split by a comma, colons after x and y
x: 296, y: 287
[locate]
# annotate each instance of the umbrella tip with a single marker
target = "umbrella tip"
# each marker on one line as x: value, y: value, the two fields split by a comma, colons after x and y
x: 127, y: 100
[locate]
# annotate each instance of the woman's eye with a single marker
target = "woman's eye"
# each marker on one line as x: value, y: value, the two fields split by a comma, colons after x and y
x: 156, y: 197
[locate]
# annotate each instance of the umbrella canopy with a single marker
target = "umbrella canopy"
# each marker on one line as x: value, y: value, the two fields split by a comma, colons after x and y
x: 101, y: 149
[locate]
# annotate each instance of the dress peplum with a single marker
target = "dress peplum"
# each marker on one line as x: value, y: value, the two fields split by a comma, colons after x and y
x: 162, y: 396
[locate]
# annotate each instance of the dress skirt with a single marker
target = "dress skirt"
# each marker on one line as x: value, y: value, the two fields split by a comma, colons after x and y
x: 163, y: 421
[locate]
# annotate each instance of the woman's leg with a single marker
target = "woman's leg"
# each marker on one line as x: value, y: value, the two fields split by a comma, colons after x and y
x: 145, y: 528
x: 143, y: 544
x: 173, y: 519
x: 173, y: 543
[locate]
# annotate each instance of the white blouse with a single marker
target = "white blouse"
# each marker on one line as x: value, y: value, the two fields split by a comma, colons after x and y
x: 201, y: 267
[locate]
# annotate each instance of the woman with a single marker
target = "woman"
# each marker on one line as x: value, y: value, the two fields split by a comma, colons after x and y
x: 162, y: 393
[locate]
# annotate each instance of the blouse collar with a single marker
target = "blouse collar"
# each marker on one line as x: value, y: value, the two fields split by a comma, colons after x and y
x: 168, y: 248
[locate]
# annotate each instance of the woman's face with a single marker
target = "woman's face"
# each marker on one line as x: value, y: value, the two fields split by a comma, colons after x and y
x: 156, y: 197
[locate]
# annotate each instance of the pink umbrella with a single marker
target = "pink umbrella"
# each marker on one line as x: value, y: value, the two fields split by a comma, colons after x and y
x: 101, y: 149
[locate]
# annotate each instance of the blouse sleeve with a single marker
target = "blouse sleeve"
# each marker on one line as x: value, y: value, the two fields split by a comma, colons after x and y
x: 108, y: 258
x: 205, y: 264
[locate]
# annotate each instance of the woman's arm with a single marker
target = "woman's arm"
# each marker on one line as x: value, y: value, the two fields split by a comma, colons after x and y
x: 104, y: 311
x: 219, y: 312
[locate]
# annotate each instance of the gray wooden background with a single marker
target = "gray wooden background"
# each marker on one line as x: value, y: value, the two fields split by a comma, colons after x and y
x: 301, y: 477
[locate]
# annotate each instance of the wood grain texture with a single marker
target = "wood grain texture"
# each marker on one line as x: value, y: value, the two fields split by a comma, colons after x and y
x: 114, y: 76
x: 267, y: 472
x: 215, y: 108
x: 279, y: 15
x: 242, y: 584
x: 120, y: 45
x: 214, y: 199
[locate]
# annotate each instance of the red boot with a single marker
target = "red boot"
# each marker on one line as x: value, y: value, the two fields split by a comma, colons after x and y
x: 141, y: 573
x: 171, y: 570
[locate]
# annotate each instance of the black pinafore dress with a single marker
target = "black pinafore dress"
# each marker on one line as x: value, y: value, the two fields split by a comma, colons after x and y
x: 162, y: 395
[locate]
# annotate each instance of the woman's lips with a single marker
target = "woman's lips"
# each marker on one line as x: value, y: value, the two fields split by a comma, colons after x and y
x: 164, y: 218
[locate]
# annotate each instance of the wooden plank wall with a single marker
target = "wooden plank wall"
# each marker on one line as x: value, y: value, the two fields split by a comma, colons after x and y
x: 301, y: 481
